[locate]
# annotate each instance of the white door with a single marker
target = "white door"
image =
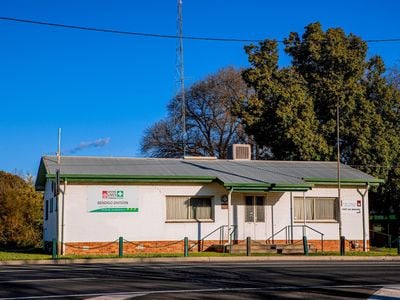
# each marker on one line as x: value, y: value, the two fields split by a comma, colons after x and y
x: 254, y: 219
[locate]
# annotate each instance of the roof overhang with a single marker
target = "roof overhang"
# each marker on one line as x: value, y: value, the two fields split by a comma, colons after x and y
x: 268, y: 187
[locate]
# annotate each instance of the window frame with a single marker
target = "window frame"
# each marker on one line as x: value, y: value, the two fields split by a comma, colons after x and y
x: 314, y: 212
x: 189, y: 209
x: 254, y: 209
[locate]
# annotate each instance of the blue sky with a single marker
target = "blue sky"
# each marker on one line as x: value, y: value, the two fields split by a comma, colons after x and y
x: 109, y: 88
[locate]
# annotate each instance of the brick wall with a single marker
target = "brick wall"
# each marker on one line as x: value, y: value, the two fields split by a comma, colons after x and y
x: 330, y: 245
x: 97, y: 248
x: 82, y: 248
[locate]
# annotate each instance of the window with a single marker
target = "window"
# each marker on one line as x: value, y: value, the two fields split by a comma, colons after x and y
x: 316, y: 209
x: 189, y: 208
x: 51, y: 204
x: 254, y: 209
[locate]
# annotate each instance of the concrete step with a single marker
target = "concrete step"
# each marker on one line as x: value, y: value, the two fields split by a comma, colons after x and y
x: 253, y: 250
x: 272, y: 248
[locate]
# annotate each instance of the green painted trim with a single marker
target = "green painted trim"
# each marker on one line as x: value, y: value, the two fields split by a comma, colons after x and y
x: 344, y: 184
x: 250, y: 191
x: 294, y: 185
x: 344, y: 180
x: 132, y: 178
x: 246, y: 185
x: 277, y: 189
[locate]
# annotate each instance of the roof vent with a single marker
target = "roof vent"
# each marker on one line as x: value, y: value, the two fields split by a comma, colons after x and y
x: 239, y: 152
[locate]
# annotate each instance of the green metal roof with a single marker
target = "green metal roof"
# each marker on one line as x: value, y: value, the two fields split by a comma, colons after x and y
x: 241, y: 175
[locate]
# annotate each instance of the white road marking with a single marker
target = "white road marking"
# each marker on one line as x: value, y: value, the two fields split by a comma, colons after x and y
x: 388, y: 291
x: 47, y: 279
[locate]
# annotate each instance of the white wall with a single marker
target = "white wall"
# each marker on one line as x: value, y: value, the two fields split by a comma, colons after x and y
x: 351, y: 221
x: 150, y: 222
x: 147, y: 224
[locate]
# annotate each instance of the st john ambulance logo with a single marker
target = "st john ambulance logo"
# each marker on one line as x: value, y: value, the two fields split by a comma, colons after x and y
x: 112, y: 194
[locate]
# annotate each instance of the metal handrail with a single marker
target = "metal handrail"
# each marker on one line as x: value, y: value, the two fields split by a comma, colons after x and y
x: 221, y: 236
x: 313, y: 229
x: 286, y: 228
x: 276, y: 233
x: 231, y: 237
x: 380, y: 232
x: 389, y: 237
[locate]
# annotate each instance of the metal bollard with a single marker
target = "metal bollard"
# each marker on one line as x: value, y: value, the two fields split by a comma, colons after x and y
x: 186, y: 247
x: 342, y: 246
x: 54, y: 249
x: 121, y: 246
x: 305, y: 245
x: 398, y: 245
x: 248, y: 246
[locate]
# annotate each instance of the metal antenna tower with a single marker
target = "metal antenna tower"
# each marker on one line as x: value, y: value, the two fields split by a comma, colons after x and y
x: 181, y: 75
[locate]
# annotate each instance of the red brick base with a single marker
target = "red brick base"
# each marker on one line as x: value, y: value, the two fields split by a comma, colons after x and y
x: 97, y: 248
x: 331, y: 245
x: 82, y: 248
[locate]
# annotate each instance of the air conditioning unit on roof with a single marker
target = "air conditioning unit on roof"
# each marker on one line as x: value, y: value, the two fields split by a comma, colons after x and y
x: 239, y: 152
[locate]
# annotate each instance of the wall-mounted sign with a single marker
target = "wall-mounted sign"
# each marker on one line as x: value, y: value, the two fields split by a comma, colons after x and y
x: 351, y: 206
x: 112, y: 199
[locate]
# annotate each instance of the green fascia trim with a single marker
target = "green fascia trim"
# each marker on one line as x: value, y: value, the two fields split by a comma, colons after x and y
x: 292, y: 187
x: 250, y: 191
x: 295, y: 185
x: 344, y: 180
x: 132, y: 178
x: 247, y: 185
x: 277, y: 189
x: 344, y: 183
x: 267, y: 187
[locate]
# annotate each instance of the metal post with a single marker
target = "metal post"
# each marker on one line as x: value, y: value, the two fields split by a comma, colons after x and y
x: 291, y: 217
x: 248, y: 246
x: 229, y: 214
x: 305, y: 245
x: 398, y: 245
x: 305, y: 213
x: 272, y: 224
x: 338, y: 173
x: 390, y: 242
x: 121, y: 246
x: 363, y: 216
x: 54, y: 249
x: 342, y: 246
x: 186, y: 246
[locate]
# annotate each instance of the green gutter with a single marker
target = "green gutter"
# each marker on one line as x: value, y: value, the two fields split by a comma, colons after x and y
x: 247, y: 185
x: 299, y: 189
x: 132, y: 178
x: 347, y: 181
x: 291, y: 187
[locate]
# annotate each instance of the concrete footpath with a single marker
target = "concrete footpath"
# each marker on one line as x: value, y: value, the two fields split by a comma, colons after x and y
x: 211, y: 259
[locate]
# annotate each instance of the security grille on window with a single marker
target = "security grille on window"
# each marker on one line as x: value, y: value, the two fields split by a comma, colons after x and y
x: 189, y: 208
x: 316, y: 209
x: 254, y: 210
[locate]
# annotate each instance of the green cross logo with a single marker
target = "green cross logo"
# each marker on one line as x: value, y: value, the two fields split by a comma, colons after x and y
x: 120, y: 194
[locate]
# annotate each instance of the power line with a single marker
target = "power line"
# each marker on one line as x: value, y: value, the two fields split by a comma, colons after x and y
x: 156, y: 35
x: 165, y: 36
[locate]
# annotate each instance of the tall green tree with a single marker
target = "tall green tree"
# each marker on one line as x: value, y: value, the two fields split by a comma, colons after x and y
x: 293, y: 110
x: 21, y: 211
x: 211, y: 127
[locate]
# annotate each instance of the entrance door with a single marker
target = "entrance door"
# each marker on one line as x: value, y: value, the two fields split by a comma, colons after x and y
x: 254, y: 219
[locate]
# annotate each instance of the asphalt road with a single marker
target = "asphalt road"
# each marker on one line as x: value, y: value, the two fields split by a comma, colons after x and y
x: 242, y: 280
